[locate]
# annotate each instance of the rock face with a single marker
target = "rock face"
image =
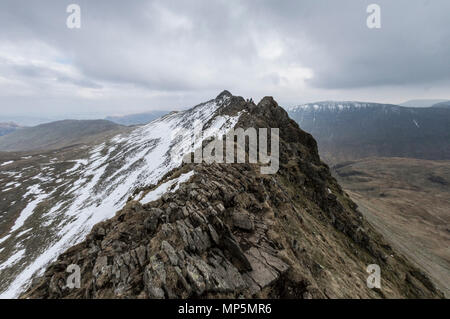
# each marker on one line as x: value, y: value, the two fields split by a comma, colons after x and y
x: 231, y: 232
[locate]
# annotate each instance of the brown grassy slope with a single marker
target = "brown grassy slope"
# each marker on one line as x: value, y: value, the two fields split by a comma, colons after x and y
x: 408, y: 201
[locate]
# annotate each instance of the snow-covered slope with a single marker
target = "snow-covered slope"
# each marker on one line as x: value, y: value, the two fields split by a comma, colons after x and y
x: 59, y: 202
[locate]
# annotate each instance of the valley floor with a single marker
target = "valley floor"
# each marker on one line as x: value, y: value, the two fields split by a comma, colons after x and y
x: 408, y: 201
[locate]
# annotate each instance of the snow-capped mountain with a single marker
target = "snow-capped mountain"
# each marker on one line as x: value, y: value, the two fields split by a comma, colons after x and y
x: 351, y: 130
x: 50, y: 201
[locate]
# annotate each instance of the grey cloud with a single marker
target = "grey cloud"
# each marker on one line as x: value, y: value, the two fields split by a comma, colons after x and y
x: 40, y: 72
x: 412, y: 46
x: 79, y: 82
x: 190, y: 48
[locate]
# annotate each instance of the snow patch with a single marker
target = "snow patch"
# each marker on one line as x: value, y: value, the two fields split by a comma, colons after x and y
x: 170, y: 186
x: 27, y: 212
x: 23, y: 232
x: 13, y: 259
x: 5, y: 238
x: 77, y: 165
x: 6, y: 163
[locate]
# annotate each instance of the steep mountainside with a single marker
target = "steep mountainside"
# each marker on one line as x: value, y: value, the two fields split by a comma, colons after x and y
x: 7, y: 128
x: 58, y: 134
x: 226, y: 230
x: 353, y: 130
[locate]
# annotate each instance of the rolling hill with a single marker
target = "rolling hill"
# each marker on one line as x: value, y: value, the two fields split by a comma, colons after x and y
x: 58, y: 134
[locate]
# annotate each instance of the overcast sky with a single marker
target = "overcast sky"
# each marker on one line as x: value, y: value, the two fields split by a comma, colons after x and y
x: 132, y: 56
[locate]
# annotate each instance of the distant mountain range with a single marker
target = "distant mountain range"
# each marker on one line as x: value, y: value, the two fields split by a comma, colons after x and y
x: 445, y: 104
x: 136, y: 119
x: 58, y: 134
x: 422, y: 102
x: 130, y: 119
x: 354, y: 130
x: 24, y: 120
x: 6, y: 128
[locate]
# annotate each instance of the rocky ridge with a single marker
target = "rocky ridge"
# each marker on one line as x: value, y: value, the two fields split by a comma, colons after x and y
x: 230, y: 231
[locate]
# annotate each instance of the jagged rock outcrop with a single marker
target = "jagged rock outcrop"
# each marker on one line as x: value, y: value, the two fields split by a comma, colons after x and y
x: 230, y: 231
